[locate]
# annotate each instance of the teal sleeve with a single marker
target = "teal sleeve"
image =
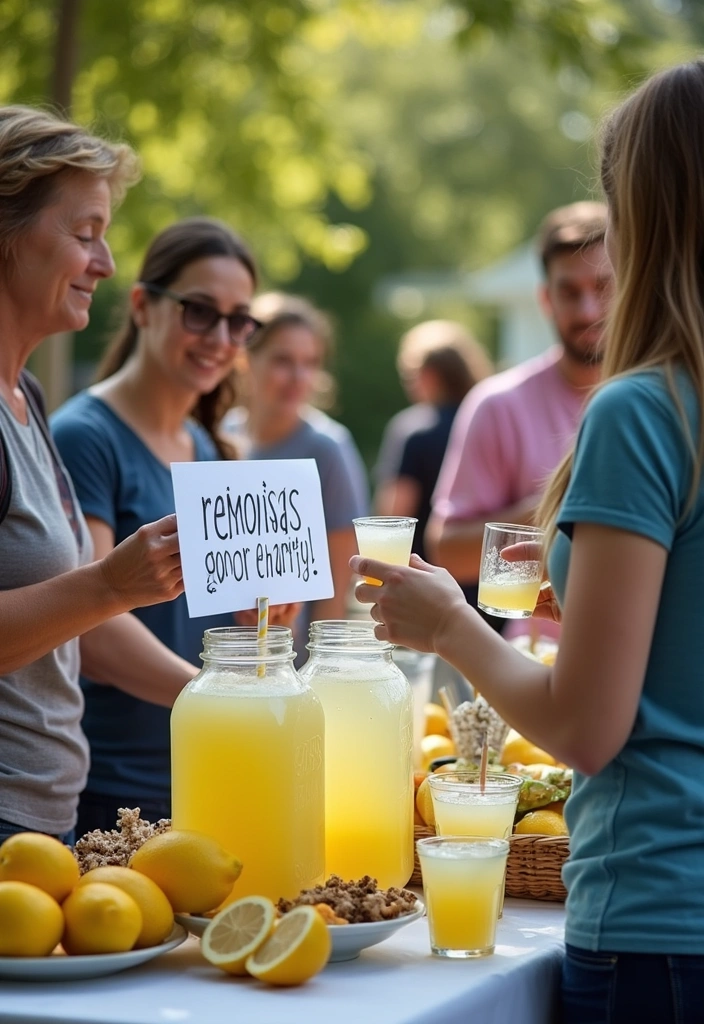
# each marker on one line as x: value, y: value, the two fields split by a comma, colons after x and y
x: 632, y: 468
x: 89, y: 455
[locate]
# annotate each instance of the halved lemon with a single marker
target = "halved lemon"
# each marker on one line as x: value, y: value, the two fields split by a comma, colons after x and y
x: 298, y: 948
x: 238, y: 931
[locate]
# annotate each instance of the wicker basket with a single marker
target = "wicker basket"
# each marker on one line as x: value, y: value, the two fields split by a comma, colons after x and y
x: 419, y: 832
x: 535, y: 866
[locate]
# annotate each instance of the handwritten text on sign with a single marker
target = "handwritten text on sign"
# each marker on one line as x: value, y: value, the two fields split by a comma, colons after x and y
x: 249, y: 530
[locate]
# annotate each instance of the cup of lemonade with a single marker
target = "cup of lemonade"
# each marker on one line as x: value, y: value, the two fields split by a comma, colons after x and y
x: 385, y: 538
x: 462, y: 883
x: 509, y: 588
x: 463, y: 808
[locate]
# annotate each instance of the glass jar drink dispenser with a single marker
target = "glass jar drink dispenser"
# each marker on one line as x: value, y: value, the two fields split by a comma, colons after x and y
x: 247, y: 760
x: 368, y: 752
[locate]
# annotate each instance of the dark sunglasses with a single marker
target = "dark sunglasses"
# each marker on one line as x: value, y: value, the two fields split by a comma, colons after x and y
x: 201, y: 318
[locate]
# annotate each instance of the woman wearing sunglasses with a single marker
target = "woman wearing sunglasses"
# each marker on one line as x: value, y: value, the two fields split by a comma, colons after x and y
x: 163, y: 386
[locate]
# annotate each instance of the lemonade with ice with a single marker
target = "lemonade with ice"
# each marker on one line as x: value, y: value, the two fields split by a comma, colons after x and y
x: 462, y: 884
x: 248, y: 769
x: 513, y: 598
x: 368, y: 752
x: 511, y: 570
x: 386, y: 539
x: 462, y: 809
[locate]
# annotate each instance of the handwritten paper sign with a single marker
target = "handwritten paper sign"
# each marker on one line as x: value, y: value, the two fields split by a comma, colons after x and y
x: 249, y: 530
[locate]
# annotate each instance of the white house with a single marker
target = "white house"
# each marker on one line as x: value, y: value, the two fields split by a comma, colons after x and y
x: 509, y: 286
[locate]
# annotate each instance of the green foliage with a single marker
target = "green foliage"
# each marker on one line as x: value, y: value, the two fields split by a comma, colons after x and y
x: 593, y: 35
x: 470, y: 148
x: 222, y: 108
x: 351, y: 140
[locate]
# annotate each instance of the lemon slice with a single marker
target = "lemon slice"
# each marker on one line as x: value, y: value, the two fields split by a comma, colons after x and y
x: 238, y: 931
x: 299, y: 948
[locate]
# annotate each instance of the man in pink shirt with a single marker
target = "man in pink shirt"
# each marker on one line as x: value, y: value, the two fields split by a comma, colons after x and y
x: 512, y: 429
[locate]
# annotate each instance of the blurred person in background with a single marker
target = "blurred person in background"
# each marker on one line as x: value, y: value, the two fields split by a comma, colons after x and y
x: 163, y: 386
x: 283, y: 366
x: 58, y: 185
x: 512, y: 430
x: 438, y: 362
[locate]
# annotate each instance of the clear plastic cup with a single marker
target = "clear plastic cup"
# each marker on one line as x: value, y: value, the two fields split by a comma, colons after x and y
x: 462, y: 884
x: 385, y: 538
x: 509, y: 588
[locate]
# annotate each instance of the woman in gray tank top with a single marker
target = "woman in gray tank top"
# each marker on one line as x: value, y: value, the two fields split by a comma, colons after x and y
x: 58, y: 185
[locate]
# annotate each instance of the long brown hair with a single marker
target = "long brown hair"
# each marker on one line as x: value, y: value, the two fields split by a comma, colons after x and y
x: 652, y: 173
x: 194, y: 238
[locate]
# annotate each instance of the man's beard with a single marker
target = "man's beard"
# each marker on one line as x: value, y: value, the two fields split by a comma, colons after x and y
x: 589, y: 355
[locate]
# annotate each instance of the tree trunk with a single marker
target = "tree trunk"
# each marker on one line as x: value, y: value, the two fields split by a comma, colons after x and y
x: 65, y: 53
x: 53, y: 360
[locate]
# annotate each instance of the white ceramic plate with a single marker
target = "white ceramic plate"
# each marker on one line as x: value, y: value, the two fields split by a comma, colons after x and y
x: 348, y: 940
x: 75, y: 968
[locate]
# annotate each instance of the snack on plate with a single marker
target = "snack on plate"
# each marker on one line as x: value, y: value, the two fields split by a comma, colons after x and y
x: 468, y: 724
x: 355, y: 902
x: 97, y: 849
x: 328, y: 914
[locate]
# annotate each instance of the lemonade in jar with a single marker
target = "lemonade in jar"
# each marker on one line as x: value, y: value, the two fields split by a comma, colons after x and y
x: 247, y: 760
x: 368, y: 752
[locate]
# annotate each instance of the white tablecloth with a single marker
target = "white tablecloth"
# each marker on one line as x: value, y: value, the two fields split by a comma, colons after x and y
x: 396, y: 982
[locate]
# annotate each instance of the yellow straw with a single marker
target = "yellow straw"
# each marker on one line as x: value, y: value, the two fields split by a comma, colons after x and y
x: 262, y: 629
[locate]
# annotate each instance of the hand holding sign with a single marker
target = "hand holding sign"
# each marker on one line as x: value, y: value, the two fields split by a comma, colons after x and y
x: 251, y: 528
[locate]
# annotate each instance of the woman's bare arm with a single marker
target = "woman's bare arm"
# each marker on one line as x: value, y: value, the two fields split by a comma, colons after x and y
x: 581, y: 709
x: 124, y: 653
x: 145, y: 569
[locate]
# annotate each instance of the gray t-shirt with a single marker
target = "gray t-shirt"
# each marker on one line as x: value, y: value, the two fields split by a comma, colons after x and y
x: 43, y: 752
x: 343, y: 479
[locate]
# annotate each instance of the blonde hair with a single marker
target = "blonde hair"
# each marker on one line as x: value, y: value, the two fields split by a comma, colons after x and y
x: 652, y: 173
x: 457, y: 358
x: 36, y: 149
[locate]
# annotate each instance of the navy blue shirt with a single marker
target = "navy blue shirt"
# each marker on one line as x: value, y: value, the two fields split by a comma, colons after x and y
x: 421, y: 459
x: 119, y: 480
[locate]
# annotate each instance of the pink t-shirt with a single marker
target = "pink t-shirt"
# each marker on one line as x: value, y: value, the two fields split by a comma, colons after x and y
x: 507, y: 438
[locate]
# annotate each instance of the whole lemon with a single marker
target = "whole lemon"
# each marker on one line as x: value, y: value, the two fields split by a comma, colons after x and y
x: 542, y: 822
x: 31, y: 921
x: 157, y: 915
x: 100, y: 918
x: 424, y: 803
x: 518, y: 748
x: 435, y: 746
x: 435, y: 720
x: 39, y: 860
x: 192, y: 869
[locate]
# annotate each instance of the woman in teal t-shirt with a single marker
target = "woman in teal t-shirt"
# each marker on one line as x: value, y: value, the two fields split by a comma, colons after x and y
x: 624, y: 702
